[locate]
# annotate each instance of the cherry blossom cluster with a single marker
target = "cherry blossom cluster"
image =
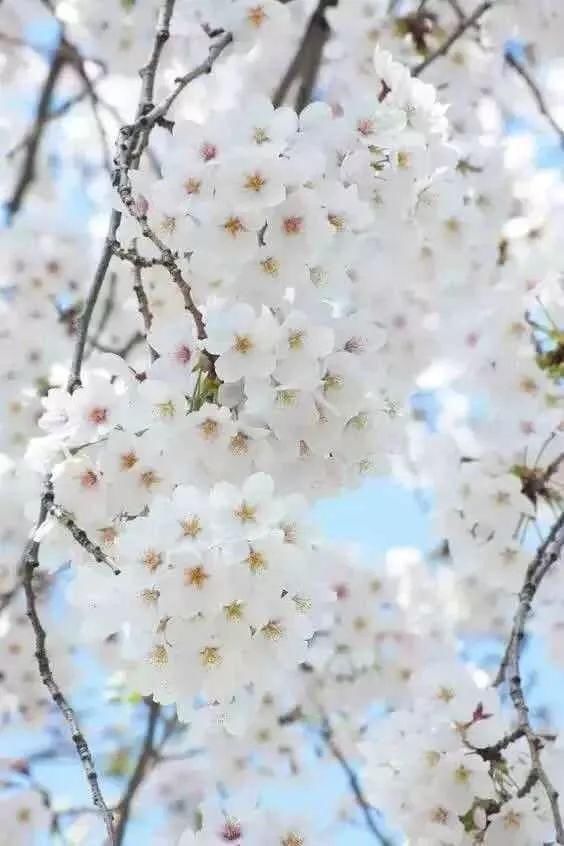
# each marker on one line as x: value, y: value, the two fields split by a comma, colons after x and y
x: 450, y: 769
x: 215, y: 592
x: 274, y: 367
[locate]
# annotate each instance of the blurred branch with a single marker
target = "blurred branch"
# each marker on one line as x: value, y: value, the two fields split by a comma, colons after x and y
x: 307, y: 60
x: 9, y: 595
x: 144, y: 761
x: 462, y: 27
x: 538, y: 96
x: 27, y: 171
x: 74, y: 380
x: 107, y: 310
x: 354, y: 783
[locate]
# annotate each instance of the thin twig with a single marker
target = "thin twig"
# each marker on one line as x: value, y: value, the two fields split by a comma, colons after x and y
x: 525, y: 75
x: 547, y: 555
x: 74, y: 380
x: 90, y: 92
x: 143, y: 307
x: 58, y: 112
x: 80, y: 536
x: 133, y: 257
x: 122, y: 351
x: 107, y: 310
x: 154, y: 115
x: 148, y: 74
x: 9, y: 595
x: 144, y: 760
x: 354, y: 783
x: 29, y: 564
x: 27, y: 171
x: 127, y: 146
x: 462, y: 27
x: 553, y: 467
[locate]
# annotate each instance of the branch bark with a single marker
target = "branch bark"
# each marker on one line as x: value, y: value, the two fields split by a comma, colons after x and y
x: 81, y: 537
x: 29, y: 564
x: 143, y: 306
x: 510, y: 669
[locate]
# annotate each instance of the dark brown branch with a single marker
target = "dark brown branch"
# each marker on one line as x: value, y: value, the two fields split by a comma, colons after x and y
x: 29, y: 564
x: 307, y: 60
x: 510, y: 669
x: 144, y: 761
x: 354, y: 783
x: 74, y: 380
x: 27, y: 171
x: 525, y: 75
x: 553, y: 468
x: 462, y: 27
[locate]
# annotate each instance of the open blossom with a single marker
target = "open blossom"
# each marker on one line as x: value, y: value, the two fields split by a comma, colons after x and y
x: 243, y: 341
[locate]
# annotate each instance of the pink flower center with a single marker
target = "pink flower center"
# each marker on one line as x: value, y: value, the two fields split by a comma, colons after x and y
x: 98, y: 415
x: 341, y: 590
x: 365, y: 126
x: 293, y: 225
x: 231, y: 831
x: 183, y: 354
x: 89, y: 479
x: 208, y: 151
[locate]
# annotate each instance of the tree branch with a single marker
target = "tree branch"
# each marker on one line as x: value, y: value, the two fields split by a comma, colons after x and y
x: 462, y: 27
x: 127, y: 146
x: 525, y: 75
x: 157, y: 112
x: 74, y: 380
x: 307, y: 59
x: 81, y: 537
x: 143, y: 307
x: 29, y: 564
x: 354, y: 783
x: 547, y: 555
x: 146, y: 757
x: 54, y: 114
x: 30, y: 557
x: 27, y: 172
